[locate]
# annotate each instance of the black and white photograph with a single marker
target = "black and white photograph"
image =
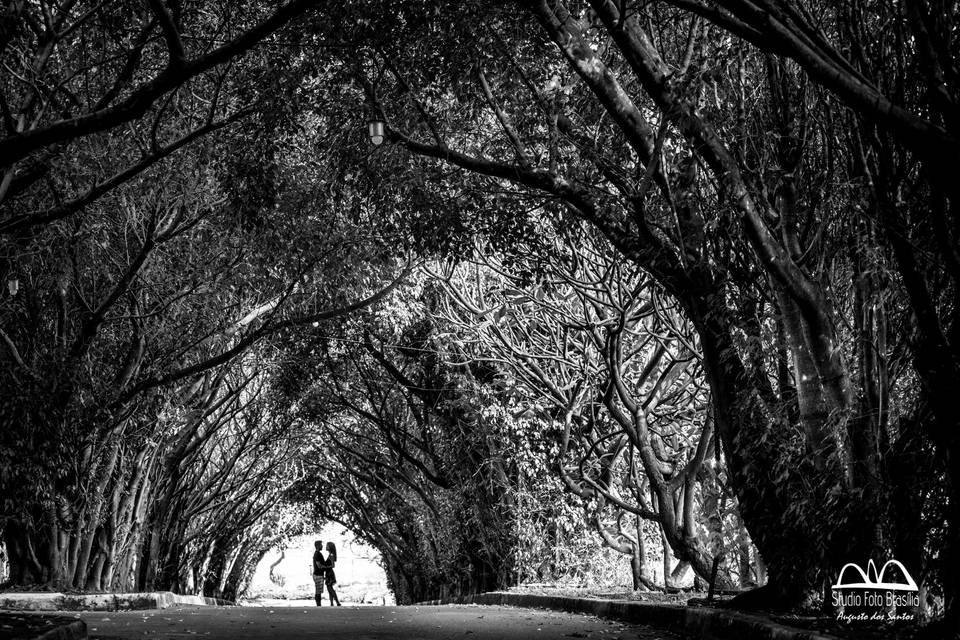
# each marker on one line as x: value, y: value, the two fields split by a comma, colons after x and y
x: 480, y: 319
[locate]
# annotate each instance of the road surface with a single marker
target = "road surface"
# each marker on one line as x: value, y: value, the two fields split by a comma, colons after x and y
x: 463, y: 622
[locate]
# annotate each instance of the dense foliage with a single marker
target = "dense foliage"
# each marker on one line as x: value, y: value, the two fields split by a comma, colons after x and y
x: 687, y: 288
x: 140, y: 314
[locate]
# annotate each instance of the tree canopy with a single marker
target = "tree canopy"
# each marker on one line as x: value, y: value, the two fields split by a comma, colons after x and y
x: 678, y: 277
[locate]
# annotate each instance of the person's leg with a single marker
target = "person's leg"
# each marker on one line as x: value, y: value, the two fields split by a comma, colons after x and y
x: 318, y: 590
x: 333, y: 595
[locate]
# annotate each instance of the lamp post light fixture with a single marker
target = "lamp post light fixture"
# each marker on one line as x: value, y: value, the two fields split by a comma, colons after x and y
x: 375, y: 130
x: 13, y: 286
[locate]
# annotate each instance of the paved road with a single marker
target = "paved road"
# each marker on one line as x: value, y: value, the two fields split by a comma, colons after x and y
x: 464, y: 622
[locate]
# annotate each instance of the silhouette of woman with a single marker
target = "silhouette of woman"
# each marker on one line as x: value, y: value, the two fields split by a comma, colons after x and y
x: 331, y: 577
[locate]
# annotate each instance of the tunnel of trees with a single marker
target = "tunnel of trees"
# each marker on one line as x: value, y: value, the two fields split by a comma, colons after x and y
x: 667, y: 285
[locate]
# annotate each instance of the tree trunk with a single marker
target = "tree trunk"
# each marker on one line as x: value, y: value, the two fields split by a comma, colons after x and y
x: 755, y: 437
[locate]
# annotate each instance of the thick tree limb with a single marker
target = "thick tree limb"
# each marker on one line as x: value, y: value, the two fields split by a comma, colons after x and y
x: 249, y: 340
x: 16, y: 147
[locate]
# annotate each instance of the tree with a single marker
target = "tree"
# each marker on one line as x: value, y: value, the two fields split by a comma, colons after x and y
x: 120, y: 313
x: 80, y: 69
x: 894, y: 67
x: 425, y: 453
x: 621, y: 119
x: 607, y: 354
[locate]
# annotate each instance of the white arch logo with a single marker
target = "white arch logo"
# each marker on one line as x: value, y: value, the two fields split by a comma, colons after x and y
x: 872, y: 580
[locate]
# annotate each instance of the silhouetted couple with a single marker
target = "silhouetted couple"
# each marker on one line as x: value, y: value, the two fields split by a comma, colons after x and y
x: 323, y: 573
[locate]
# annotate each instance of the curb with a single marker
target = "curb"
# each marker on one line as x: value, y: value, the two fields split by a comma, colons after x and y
x: 703, y: 623
x: 102, y: 601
